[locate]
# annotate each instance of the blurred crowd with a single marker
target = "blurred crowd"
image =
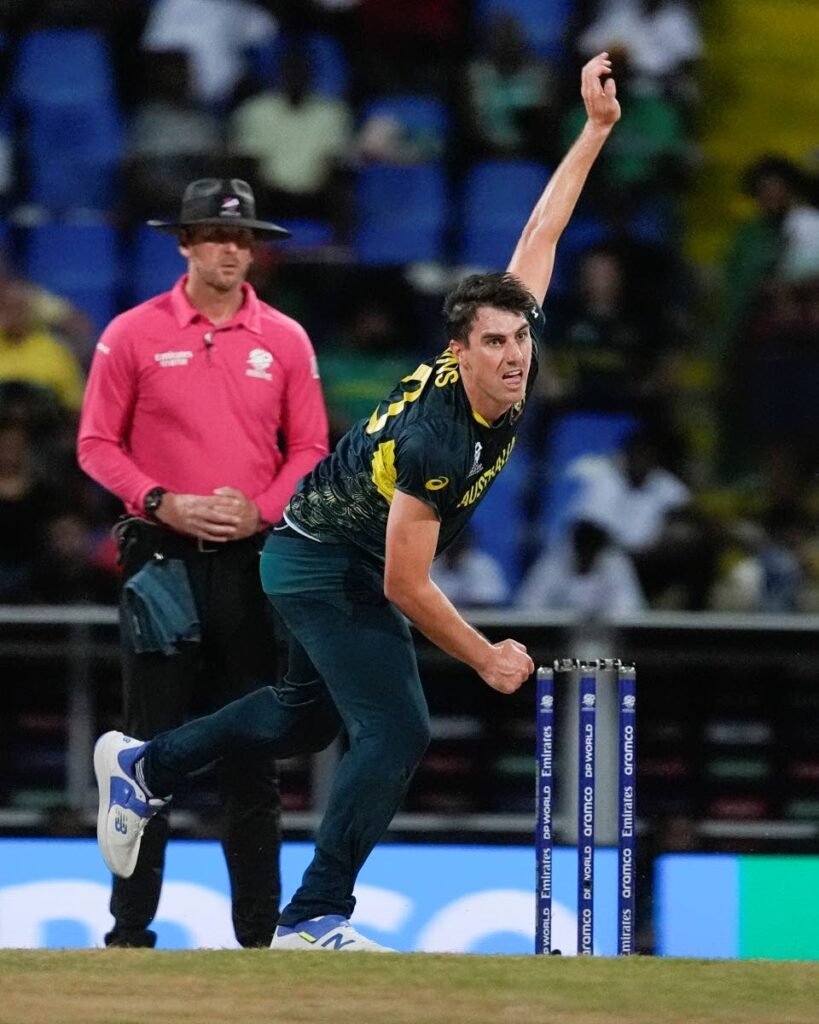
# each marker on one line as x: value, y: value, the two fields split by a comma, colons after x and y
x: 684, y: 403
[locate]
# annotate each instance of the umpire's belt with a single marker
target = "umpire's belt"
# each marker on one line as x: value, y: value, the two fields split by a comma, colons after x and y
x: 133, y: 530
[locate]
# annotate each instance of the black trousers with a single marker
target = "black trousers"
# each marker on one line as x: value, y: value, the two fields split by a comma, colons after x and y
x: 237, y: 655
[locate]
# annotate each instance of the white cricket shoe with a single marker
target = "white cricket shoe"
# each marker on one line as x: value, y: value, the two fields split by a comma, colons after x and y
x: 329, y: 933
x: 125, y: 808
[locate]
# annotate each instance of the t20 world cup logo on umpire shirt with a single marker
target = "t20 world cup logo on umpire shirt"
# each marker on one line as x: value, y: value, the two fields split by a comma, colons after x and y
x: 260, y: 360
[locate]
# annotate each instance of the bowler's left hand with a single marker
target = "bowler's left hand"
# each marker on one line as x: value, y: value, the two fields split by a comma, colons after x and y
x: 250, y: 520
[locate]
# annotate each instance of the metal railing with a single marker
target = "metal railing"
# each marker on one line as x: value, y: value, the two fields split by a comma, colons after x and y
x: 761, y: 640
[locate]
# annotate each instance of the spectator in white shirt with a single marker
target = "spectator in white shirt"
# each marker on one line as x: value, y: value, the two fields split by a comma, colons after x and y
x: 661, y: 37
x: 470, y: 577
x: 588, y: 575
x: 647, y: 510
x: 300, y: 140
x: 216, y: 35
x: 631, y: 495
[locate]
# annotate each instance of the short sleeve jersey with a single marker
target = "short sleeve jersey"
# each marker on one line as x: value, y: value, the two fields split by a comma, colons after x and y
x: 425, y: 440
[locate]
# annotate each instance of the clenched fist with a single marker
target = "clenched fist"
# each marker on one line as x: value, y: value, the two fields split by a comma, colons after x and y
x: 507, y: 666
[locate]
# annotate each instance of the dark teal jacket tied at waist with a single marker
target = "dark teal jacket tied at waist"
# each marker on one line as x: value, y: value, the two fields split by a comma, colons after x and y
x: 159, y: 609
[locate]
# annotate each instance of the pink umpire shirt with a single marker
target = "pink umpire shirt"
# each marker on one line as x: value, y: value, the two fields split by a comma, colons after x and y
x: 174, y: 401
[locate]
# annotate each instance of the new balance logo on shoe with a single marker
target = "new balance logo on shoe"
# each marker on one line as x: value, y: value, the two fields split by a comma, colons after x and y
x: 337, y: 942
x: 120, y: 823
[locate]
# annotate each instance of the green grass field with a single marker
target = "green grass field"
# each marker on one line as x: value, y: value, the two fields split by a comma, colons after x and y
x: 259, y: 987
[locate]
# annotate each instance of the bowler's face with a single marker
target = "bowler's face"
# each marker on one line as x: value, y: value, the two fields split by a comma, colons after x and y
x: 495, y: 364
x: 219, y: 256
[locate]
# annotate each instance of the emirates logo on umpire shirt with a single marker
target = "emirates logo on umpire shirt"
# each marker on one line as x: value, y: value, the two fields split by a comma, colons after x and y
x: 260, y: 360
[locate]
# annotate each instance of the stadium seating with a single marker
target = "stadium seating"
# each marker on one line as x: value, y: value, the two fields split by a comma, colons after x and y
x: 499, y: 523
x: 401, y: 213
x: 543, y: 24
x: 574, y: 436
x: 424, y: 120
x: 498, y: 196
x: 154, y: 265
x: 62, y: 85
x: 72, y: 154
x: 307, y: 234
x: 7, y: 148
x: 79, y: 261
x: 59, y: 66
x: 581, y: 233
x: 328, y: 63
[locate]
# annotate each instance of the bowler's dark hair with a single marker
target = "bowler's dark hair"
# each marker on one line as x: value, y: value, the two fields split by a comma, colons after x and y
x: 500, y: 290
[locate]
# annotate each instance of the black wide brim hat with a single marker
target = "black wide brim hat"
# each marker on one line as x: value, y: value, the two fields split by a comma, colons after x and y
x: 227, y: 202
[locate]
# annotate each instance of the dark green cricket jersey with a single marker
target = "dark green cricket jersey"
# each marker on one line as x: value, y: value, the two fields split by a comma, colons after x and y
x: 424, y: 440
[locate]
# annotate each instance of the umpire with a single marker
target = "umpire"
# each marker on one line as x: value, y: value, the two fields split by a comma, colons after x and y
x: 203, y: 410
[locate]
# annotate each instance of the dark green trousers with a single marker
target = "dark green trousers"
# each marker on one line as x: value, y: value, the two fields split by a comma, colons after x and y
x: 352, y: 664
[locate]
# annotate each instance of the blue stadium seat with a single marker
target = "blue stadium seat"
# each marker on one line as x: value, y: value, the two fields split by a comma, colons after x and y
x: 498, y: 197
x: 307, y: 234
x: 573, y: 436
x: 655, y: 222
x: 401, y: 214
x: 7, y: 146
x: 498, y: 524
x: 155, y: 264
x: 59, y: 65
x: 78, y: 261
x: 328, y: 62
x: 425, y: 120
x: 62, y: 84
x: 73, y: 152
x: 544, y: 24
x: 581, y: 233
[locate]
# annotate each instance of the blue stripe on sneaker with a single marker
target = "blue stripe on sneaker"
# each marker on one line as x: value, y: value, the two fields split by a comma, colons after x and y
x: 123, y: 794
x: 129, y: 755
x: 314, y: 930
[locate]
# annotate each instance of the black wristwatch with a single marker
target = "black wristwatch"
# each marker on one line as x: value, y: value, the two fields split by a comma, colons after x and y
x: 152, y: 502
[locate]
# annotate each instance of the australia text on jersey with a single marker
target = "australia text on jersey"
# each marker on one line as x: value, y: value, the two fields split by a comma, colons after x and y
x: 486, y: 478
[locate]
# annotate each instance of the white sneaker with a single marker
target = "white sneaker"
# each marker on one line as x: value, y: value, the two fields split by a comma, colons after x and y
x: 125, y: 808
x: 330, y: 933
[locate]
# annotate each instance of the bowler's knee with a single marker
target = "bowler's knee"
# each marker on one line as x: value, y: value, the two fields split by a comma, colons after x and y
x: 403, y: 743
x: 418, y: 735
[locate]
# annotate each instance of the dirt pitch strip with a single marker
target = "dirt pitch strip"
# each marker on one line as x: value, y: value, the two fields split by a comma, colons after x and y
x: 259, y: 987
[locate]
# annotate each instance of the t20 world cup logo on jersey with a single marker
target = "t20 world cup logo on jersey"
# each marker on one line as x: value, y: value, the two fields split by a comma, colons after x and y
x: 486, y: 477
x: 477, y: 465
x: 259, y: 359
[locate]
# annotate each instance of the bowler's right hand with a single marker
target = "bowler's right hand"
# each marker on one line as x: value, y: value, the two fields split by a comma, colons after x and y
x: 507, y: 666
